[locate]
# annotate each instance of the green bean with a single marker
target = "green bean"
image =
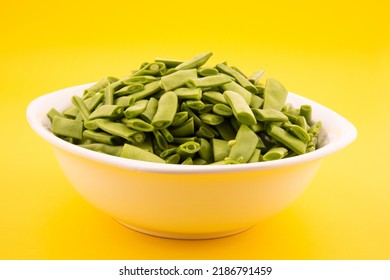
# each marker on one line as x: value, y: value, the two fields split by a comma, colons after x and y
x: 222, y: 110
x: 162, y: 143
x: 245, y: 144
x: 194, y: 62
x: 167, y: 135
x: 100, y: 85
x: 173, y: 159
x: 220, y: 149
x: 93, y: 102
x: 133, y: 152
x: 207, y: 71
x: 275, y: 153
x: 101, y: 137
x: 149, y: 89
x: 169, y: 62
x: 168, y: 152
x: 233, y: 86
x: 129, y: 89
x: 195, y: 104
x: 226, y: 130
x: 124, y: 101
x: 306, y: 112
x: 67, y: 127
x: 301, y: 121
x: 103, y: 148
x: 298, y: 132
x: 214, y: 97
x: 275, y: 95
x: 121, y: 130
x: 177, y: 79
x: 140, y: 80
x: 107, y: 111
x: 256, y: 76
x: 239, y: 78
x: 206, y: 132
x: 189, y: 93
x: 187, y: 128
x: 80, y: 105
x: 256, y: 101
x: 269, y: 115
x: 187, y: 161
x: 138, y: 124
x: 150, y: 110
x: 255, y: 156
x: 153, y: 68
x: 205, y: 151
x: 241, y: 109
x: 188, y: 149
x: 166, y: 110
x: 136, y: 109
x: 285, y: 138
x: 315, y: 128
x: 211, y: 119
x: 53, y: 113
x: 179, y: 118
x: 109, y: 95
x: 91, y: 125
x: 209, y: 81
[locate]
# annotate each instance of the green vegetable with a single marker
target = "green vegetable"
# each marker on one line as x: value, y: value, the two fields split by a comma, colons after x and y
x: 185, y: 112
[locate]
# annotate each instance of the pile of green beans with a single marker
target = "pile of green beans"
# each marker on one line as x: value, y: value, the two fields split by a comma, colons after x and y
x: 183, y: 112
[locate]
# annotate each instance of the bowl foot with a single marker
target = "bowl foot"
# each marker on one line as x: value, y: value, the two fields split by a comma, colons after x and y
x: 185, y: 236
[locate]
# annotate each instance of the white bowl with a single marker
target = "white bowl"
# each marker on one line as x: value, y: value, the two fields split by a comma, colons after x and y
x: 184, y: 201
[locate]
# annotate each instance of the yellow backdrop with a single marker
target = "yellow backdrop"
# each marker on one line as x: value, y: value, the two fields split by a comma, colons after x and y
x: 334, y: 53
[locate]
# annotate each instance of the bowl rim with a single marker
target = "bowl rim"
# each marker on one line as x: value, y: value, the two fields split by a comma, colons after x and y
x: 36, y: 117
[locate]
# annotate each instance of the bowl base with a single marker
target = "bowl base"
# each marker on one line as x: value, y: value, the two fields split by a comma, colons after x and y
x: 185, y: 236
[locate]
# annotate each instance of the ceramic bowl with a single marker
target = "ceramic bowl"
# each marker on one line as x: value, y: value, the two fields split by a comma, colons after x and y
x: 184, y: 201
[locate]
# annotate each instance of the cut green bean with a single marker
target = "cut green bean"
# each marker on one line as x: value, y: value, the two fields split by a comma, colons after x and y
x: 208, y: 71
x: 149, y: 89
x: 306, y: 112
x: 188, y: 161
x: 298, y: 132
x: 166, y: 110
x: 241, y: 109
x: 255, y: 156
x: 107, y: 111
x: 256, y: 77
x: 209, y: 81
x: 133, y: 152
x: 222, y: 110
x: 194, y: 62
x: 150, y: 110
x: 239, y: 78
x: 53, y: 113
x: 177, y: 79
x: 211, y: 119
x: 138, y: 124
x: 169, y: 62
x: 187, y: 128
x: 153, y: 68
x: 226, y: 130
x: 100, y: 85
x: 104, y: 148
x: 269, y: 115
x: 275, y: 95
x: 256, y: 101
x: 188, y: 149
x: 245, y: 144
x: 275, y: 153
x: 109, y: 95
x: 173, y: 159
x: 102, y: 137
x: 233, y: 86
x: 195, y: 104
x: 80, y: 105
x: 162, y: 143
x: 179, y: 118
x: 205, y: 151
x: 214, y: 97
x: 130, y: 89
x: 67, y: 127
x: 189, y: 93
x: 285, y: 138
x: 220, y: 149
x: 136, y: 109
x: 121, y: 130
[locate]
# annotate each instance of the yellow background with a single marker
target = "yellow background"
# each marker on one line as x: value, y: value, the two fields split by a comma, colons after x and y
x: 334, y: 53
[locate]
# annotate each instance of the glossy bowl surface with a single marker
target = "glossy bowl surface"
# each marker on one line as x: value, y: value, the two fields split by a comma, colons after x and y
x: 184, y: 201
